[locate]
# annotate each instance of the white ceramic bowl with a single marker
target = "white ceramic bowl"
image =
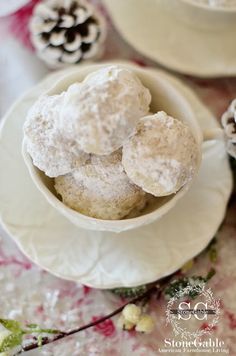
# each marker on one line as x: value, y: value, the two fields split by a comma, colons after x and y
x: 164, y: 97
x: 179, y: 34
x: 203, y: 16
x: 216, y: 8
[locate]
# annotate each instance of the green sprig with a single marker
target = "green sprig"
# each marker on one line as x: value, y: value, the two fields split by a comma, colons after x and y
x: 212, y: 251
x: 130, y: 292
x: 17, y: 331
x: 14, y: 332
x: 11, y: 325
x: 34, y: 328
x: 40, y: 340
x: 177, y: 285
x: 11, y: 341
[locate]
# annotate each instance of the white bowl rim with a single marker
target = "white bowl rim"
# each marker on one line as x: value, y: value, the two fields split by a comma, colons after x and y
x: 113, y: 223
x: 217, y: 8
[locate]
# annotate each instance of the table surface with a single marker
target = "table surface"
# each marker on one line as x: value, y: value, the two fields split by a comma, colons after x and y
x: 31, y: 294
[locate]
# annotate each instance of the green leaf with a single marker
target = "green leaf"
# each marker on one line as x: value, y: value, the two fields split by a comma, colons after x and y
x: 49, y: 331
x: 213, y: 255
x: 11, y: 341
x: 130, y: 292
x: 212, y: 250
x: 11, y: 325
x: 32, y: 326
x: 178, y: 285
x: 40, y: 340
x: 210, y: 274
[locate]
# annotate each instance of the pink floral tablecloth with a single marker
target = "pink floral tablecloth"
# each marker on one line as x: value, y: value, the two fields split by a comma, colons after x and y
x: 31, y: 294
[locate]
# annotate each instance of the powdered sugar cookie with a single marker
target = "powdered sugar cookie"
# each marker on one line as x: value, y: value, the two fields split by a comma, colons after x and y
x: 101, y: 112
x: 162, y: 156
x: 50, y: 150
x: 101, y: 189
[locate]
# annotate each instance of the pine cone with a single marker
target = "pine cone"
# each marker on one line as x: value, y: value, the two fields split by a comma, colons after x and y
x: 66, y: 32
x: 228, y: 121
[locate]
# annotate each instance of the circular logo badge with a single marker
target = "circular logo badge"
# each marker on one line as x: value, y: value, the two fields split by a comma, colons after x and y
x: 193, y: 311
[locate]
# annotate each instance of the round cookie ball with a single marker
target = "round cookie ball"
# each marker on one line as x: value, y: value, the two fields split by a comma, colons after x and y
x: 101, y: 112
x: 50, y: 151
x: 101, y: 189
x: 162, y: 156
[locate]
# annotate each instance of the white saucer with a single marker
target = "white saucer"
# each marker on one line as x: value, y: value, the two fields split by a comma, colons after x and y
x: 157, y: 29
x: 102, y: 259
x: 11, y: 6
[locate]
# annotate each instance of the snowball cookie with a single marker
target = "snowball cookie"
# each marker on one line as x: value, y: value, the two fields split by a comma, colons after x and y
x: 101, y: 112
x: 50, y: 151
x: 101, y: 189
x: 161, y: 156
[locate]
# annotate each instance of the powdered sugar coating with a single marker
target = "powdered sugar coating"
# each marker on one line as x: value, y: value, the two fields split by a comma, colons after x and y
x: 162, y: 156
x: 50, y: 150
x: 101, y: 112
x: 101, y: 189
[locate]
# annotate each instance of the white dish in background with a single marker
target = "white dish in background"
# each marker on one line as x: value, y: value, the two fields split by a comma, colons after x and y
x: 164, y: 97
x: 10, y: 6
x: 218, y: 5
x: 179, y: 34
x: 109, y: 260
